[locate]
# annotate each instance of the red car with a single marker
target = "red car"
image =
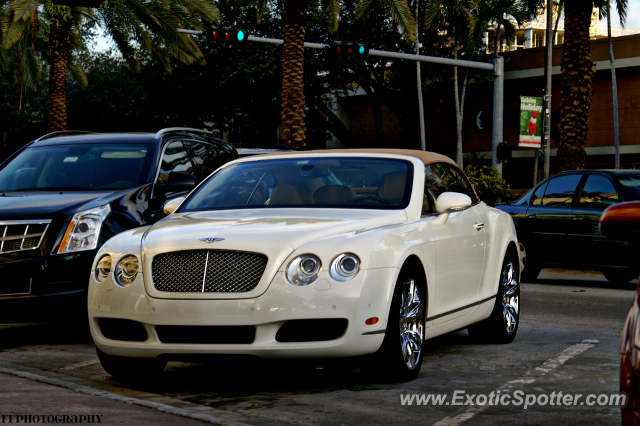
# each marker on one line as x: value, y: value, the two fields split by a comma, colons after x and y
x: 622, y: 222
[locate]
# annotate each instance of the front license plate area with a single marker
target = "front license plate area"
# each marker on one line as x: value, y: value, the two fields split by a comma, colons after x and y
x: 13, y: 284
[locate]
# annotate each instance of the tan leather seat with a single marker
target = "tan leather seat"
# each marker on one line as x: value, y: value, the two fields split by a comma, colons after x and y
x: 334, y: 194
x: 392, y: 187
x: 285, y: 194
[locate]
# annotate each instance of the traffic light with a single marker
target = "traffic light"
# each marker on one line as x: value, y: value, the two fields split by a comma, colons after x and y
x: 349, y: 49
x: 503, y: 152
x: 228, y: 35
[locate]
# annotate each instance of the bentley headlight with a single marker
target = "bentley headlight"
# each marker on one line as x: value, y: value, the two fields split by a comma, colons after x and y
x: 84, y: 230
x: 103, y: 268
x: 127, y: 270
x: 344, y: 267
x: 303, y: 270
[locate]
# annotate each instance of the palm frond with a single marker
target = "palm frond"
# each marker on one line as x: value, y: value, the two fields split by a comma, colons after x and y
x: 332, y: 12
x: 76, y: 73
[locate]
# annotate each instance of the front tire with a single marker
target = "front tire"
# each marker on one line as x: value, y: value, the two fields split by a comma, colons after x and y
x: 400, y: 356
x: 130, y: 368
x: 502, y: 325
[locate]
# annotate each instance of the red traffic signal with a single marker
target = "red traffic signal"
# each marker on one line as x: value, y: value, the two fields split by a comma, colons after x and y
x: 228, y: 35
x: 349, y: 49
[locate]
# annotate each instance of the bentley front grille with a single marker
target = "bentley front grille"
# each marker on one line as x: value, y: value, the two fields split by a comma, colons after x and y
x: 18, y: 235
x: 207, y: 271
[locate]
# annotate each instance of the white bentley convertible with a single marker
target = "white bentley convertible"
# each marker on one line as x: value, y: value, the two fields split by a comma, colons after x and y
x: 316, y: 254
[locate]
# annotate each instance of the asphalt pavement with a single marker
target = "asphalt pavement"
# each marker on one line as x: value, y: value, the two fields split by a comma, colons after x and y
x: 567, y: 342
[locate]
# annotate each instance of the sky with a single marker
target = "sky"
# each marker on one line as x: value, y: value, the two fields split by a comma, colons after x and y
x: 633, y: 23
x: 633, y: 16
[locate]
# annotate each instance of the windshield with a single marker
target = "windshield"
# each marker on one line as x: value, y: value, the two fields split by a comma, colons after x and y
x: 630, y: 185
x: 79, y: 167
x: 354, y: 183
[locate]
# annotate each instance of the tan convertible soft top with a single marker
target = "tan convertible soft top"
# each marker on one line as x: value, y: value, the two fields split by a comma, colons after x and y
x: 426, y: 156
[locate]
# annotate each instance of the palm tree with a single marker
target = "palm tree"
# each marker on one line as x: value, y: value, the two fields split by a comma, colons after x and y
x: 149, y: 25
x: 295, y: 21
x: 576, y: 90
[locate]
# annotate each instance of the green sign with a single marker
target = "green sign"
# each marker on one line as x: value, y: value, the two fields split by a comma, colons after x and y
x: 530, y: 122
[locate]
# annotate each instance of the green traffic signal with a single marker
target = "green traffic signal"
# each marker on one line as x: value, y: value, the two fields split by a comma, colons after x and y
x: 228, y: 35
x: 348, y: 49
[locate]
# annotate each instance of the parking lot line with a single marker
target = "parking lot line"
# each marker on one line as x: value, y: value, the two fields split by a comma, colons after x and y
x: 529, y: 377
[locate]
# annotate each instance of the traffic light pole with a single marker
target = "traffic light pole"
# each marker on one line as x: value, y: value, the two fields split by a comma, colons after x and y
x: 497, y: 67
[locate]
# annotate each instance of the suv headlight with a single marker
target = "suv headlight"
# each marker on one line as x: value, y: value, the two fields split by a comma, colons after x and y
x: 344, y: 267
x: 84, y: 229
x: 303, y: 270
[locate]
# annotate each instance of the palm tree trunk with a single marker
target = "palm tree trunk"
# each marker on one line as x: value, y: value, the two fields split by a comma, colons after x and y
x: 59, y: 32
x: 293, y: 106
x: 423, y: 142
x: 614, y: 85
x: 576, y: 92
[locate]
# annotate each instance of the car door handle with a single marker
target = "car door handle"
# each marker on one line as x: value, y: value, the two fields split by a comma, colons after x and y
x: 578, y: 218
x: 531, y: 216
x: 478, y: 226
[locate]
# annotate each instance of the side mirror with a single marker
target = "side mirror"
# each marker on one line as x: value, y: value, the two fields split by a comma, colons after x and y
x: 621, y: 221
x: 171, y: 205
x: 178, y: 182
x: 449, y: 202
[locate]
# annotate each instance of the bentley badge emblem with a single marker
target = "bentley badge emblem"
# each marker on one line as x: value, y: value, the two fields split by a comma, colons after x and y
x: 211, y: 239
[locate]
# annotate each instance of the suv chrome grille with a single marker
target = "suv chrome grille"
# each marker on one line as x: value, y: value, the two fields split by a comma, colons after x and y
x: 207, y: 271
x: 18, y: 235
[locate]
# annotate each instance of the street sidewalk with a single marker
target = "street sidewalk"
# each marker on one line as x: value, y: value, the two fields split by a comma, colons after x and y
x: 20, y: 398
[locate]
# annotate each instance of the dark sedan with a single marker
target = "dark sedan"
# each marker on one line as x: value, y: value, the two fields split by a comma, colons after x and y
x: 63, y: 195
x: 557, y: 223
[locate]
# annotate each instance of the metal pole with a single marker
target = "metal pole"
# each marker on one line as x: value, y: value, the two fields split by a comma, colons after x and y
x: 433, y: 59
x: 423, y: 137
x: 498, y: 110
x: 547, y: 91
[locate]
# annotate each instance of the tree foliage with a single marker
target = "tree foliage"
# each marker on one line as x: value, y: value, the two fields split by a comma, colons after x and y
x: 488, y: 184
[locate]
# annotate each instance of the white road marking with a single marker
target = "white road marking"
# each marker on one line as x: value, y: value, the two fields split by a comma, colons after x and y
x: 79, y: 365
x: 529, y: 377
x: 36, y: 375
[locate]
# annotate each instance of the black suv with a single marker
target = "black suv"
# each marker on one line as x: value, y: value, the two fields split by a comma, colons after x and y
x: 558, y: 223
x: 63, y: 195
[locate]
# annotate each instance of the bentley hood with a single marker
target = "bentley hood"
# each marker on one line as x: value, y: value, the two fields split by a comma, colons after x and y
x: 275, y: 233
x: 263, y: 231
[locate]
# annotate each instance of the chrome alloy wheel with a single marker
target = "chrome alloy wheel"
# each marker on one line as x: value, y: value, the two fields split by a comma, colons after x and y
x: 411, y: 323
x: 510, y: 290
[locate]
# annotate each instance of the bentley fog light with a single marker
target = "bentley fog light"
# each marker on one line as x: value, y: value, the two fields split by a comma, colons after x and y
x: 84, y: 230
x: 344, y: 267
x: 103, y: 268
x: 303, y: 270
x: 127, y: 270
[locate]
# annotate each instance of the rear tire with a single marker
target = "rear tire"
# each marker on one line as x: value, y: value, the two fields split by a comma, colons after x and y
x: 400, y: 357
x: 618, y: 276
x: 126, y: 368
x: 530, y: 271
x: 502, y: 325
